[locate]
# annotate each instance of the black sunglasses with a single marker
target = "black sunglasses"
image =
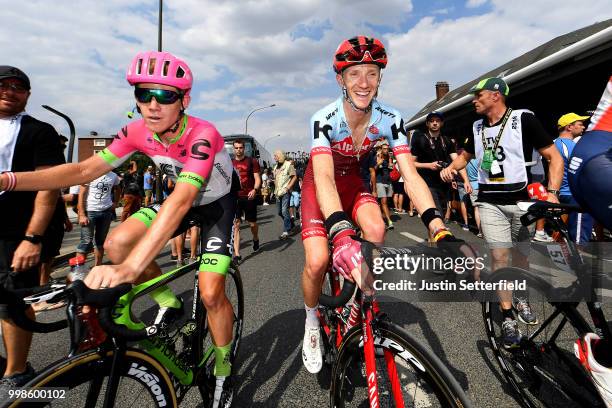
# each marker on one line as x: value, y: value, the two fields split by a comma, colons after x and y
x: 162, y: 96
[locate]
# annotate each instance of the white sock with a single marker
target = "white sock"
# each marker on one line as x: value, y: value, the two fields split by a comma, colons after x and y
x: 312, y: 319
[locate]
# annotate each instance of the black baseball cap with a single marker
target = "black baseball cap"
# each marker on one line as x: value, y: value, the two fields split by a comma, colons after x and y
x: 434, y: 114
x: 6, y: 71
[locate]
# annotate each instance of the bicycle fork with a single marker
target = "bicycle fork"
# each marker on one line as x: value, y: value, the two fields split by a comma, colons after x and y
x: 370, y: 360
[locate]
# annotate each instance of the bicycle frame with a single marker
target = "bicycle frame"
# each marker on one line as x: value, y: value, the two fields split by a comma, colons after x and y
x: 368, y: 313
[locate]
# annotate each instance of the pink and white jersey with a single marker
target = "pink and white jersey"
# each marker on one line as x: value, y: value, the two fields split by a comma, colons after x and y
x: 196, y: 156
x: 330, y: 134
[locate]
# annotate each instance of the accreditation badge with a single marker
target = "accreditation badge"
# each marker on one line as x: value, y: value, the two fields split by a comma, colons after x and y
x: 487, y: 160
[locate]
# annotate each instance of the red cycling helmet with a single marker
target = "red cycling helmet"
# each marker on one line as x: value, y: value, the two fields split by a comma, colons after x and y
x: 360, y: 50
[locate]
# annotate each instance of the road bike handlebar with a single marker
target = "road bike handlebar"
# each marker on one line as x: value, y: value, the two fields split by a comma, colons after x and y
x: 78, y: 294
x: 537, y: 209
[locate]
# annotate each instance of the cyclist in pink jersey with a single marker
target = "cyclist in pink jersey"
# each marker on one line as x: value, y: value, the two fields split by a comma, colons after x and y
x: 191, y: 152
x: 342, y: 134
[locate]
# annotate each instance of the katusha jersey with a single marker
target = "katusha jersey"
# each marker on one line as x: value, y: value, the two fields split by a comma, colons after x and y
x: 196, y: 156
x: 330, y: 134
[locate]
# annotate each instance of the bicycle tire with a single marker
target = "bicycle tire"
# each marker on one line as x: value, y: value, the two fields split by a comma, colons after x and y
x: 417, y: 367
x: 543, y: 370
x: 203, y: 342
x: 329, y: 321
x: 143, y: 381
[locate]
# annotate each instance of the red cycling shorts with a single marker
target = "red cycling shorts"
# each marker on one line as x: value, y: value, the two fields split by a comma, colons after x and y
x: 351, y: 190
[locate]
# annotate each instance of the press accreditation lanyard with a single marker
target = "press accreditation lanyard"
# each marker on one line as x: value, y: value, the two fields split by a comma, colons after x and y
x: 488, y: 159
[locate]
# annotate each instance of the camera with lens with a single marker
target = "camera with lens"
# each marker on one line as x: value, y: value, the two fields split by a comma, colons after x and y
x: 443, y: 164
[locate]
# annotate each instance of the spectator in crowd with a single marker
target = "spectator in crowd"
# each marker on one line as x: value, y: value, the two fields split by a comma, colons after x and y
x: 294, y: 201
x: 398, y: 192
x: 380, y: 168
x: 284, y: 179
x: 52, y: 241
x: 26, y: 144
x: 580, y: 225
x: 149, y: 185
x: 503, y: 175
x: 538, y: 175
x: 265, y: 186
x: 472, y: 172
x: 132, y: 191
x: 364, y: 169
x: 97, y: 202
x: 250, y: 181
x: 434, y: 151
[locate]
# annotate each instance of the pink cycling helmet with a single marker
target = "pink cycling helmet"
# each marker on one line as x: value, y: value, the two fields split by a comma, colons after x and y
x: 160, y: 68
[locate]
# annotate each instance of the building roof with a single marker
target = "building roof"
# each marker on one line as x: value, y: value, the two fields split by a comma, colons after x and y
x: 540, y: 58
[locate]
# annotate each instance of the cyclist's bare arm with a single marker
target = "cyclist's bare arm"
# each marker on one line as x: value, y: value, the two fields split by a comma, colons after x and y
x: 416, y: 188
x: 327, y: 194
x: 81, y: 204
x: 56, y: 177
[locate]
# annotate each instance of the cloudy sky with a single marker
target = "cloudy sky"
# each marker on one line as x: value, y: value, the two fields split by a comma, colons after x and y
x: 249, y: 54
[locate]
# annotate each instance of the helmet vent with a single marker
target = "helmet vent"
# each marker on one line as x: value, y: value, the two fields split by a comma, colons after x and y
x: 166, y: 67
x: 151, y: 66
x: 180, y: 72
x: 139, y: 67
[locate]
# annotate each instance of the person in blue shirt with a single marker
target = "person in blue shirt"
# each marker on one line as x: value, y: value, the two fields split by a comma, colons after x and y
x: 472, y: 173
x: 149, y: 180
x: 570, y: 127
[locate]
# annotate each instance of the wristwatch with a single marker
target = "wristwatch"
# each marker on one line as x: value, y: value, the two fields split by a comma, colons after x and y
x: 35, y: 239
x: 555, y: 192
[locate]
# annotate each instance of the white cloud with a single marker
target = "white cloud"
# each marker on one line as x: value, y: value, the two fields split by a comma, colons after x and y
x: 475, y: 3
x: 246, y: 54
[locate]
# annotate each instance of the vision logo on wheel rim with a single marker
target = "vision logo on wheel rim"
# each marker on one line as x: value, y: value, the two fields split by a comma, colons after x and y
x: 150, y: 380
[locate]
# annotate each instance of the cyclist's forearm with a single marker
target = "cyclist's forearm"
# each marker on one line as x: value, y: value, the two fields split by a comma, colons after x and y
x: 65, y: 175
x: 327, y: 194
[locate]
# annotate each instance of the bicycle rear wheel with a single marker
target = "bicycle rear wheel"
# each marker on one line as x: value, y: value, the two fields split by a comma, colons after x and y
x: 203, y: 345
x: 543, y: 370
x: 143, y: 382
x: 400, y: 359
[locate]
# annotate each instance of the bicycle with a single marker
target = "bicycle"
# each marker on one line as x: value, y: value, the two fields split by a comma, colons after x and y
x: 543, y: 370
x: 112, y: 374
x: 374, y: 360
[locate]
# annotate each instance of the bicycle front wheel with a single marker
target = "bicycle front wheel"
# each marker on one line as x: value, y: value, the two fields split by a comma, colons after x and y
x: 542, y: 369
x: 408, y: 374
x: 82, y: 382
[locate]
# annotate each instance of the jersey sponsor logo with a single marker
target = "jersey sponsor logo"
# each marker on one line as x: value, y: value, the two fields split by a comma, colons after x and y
x: 325, y: 130
x: 385, y: 112
x: 320, y: 149
x: 331, y: 114
x: 514, y: 123
x: 343, y: 124
x: 150, y: 380
x: 196, y: 153
x: 313, y: 221
x: 166, y: 169
x: 123, y: 131
x: 213, y: 244
x: 396, y: 132
x: 373, y: 130
x: 575, y: 164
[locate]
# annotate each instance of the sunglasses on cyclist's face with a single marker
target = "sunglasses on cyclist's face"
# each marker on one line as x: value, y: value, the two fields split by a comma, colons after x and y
x: 359, y: 53
x: 162, y: 96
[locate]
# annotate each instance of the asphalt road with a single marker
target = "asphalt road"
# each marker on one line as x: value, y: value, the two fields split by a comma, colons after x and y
x: 270, y: 372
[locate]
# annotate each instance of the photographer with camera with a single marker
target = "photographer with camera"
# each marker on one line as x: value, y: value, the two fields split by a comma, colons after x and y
x: 433, y: 152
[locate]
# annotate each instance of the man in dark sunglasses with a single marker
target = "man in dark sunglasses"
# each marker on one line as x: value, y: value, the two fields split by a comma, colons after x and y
x: 191, y: 152
x: 26, y: 144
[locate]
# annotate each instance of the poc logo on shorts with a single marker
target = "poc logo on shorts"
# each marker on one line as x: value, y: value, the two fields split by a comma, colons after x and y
x: 213, y: 244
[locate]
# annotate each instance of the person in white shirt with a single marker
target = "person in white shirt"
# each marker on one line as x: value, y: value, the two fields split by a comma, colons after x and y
x: 96, y: 211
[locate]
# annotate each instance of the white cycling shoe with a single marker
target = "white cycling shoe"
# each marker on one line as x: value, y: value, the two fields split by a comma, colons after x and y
x: 311, y: 350
x: 601, y: 375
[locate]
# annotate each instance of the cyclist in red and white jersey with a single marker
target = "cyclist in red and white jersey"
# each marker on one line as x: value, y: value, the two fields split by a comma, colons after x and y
x: 191, y: 152
x: 342, y: 134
